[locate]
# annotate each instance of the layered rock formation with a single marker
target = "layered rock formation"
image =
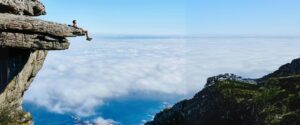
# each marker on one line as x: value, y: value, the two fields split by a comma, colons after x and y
x: 232, y: 100
x: 22, y: 7
x: 24, y: 43
x: 30, y: 33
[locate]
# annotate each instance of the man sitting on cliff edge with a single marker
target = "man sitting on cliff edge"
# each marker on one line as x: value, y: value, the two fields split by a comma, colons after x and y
x: 85, y: 31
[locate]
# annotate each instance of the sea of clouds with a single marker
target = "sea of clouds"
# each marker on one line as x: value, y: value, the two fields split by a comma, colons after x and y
x: 81, y: 79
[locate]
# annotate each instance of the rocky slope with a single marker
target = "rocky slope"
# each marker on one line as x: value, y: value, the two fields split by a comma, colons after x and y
x: 24, y: 43
x: 232, y: 100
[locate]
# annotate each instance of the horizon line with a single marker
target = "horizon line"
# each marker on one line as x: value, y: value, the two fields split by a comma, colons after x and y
x: 154, y: 36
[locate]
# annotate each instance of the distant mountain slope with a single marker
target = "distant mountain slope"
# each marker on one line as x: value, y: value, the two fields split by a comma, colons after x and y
x: 232, y: 100
x: 289, y: 69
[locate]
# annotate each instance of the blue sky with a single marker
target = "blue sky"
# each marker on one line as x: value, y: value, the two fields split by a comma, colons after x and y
x: 239, y: 17
x: 184, y: 17
x: 121, y: 16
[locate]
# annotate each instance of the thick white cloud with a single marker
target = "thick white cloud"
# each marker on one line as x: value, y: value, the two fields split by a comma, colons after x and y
x: 82, y: 78
x: 96, y: 121
x: 101, y: 121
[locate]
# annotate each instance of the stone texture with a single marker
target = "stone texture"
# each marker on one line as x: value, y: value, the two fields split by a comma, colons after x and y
x: 32, y: 41
x: 31, y: 33
x: 22, y: 7
x: 25, y: 64
x: 16, y: 23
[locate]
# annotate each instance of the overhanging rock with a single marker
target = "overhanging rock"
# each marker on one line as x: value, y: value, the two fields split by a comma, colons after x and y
x: 31, y: 33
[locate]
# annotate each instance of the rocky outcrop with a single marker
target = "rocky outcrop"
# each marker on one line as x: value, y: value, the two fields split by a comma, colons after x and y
x: 231, y: 100
x: 22, y: 7
x: 30, y: 33
x: 223, y: 77
x: 23, y: 24
x: 24, y: 43
x: 21, y: 68
x: 32, y: 41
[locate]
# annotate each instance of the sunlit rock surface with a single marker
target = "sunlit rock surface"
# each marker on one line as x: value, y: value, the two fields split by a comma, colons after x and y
x: 22, y: 7
x: 31, y: 33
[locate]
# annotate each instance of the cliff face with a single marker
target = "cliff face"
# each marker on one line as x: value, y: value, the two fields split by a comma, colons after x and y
x: 232, y: 100
x: 24, y: 43
x: 18, y: 71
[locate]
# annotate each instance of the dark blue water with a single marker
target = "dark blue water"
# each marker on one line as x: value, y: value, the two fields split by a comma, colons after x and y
x: 125, y: 112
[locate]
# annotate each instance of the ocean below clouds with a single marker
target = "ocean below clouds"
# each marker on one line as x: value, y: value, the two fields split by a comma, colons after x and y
x: 125, y: 81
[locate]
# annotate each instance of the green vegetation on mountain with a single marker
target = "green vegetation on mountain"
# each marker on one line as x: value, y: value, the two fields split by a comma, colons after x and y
x: 231, y: 100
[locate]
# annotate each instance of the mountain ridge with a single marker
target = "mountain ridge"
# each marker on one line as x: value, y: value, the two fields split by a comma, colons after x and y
x: 228, y: 100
